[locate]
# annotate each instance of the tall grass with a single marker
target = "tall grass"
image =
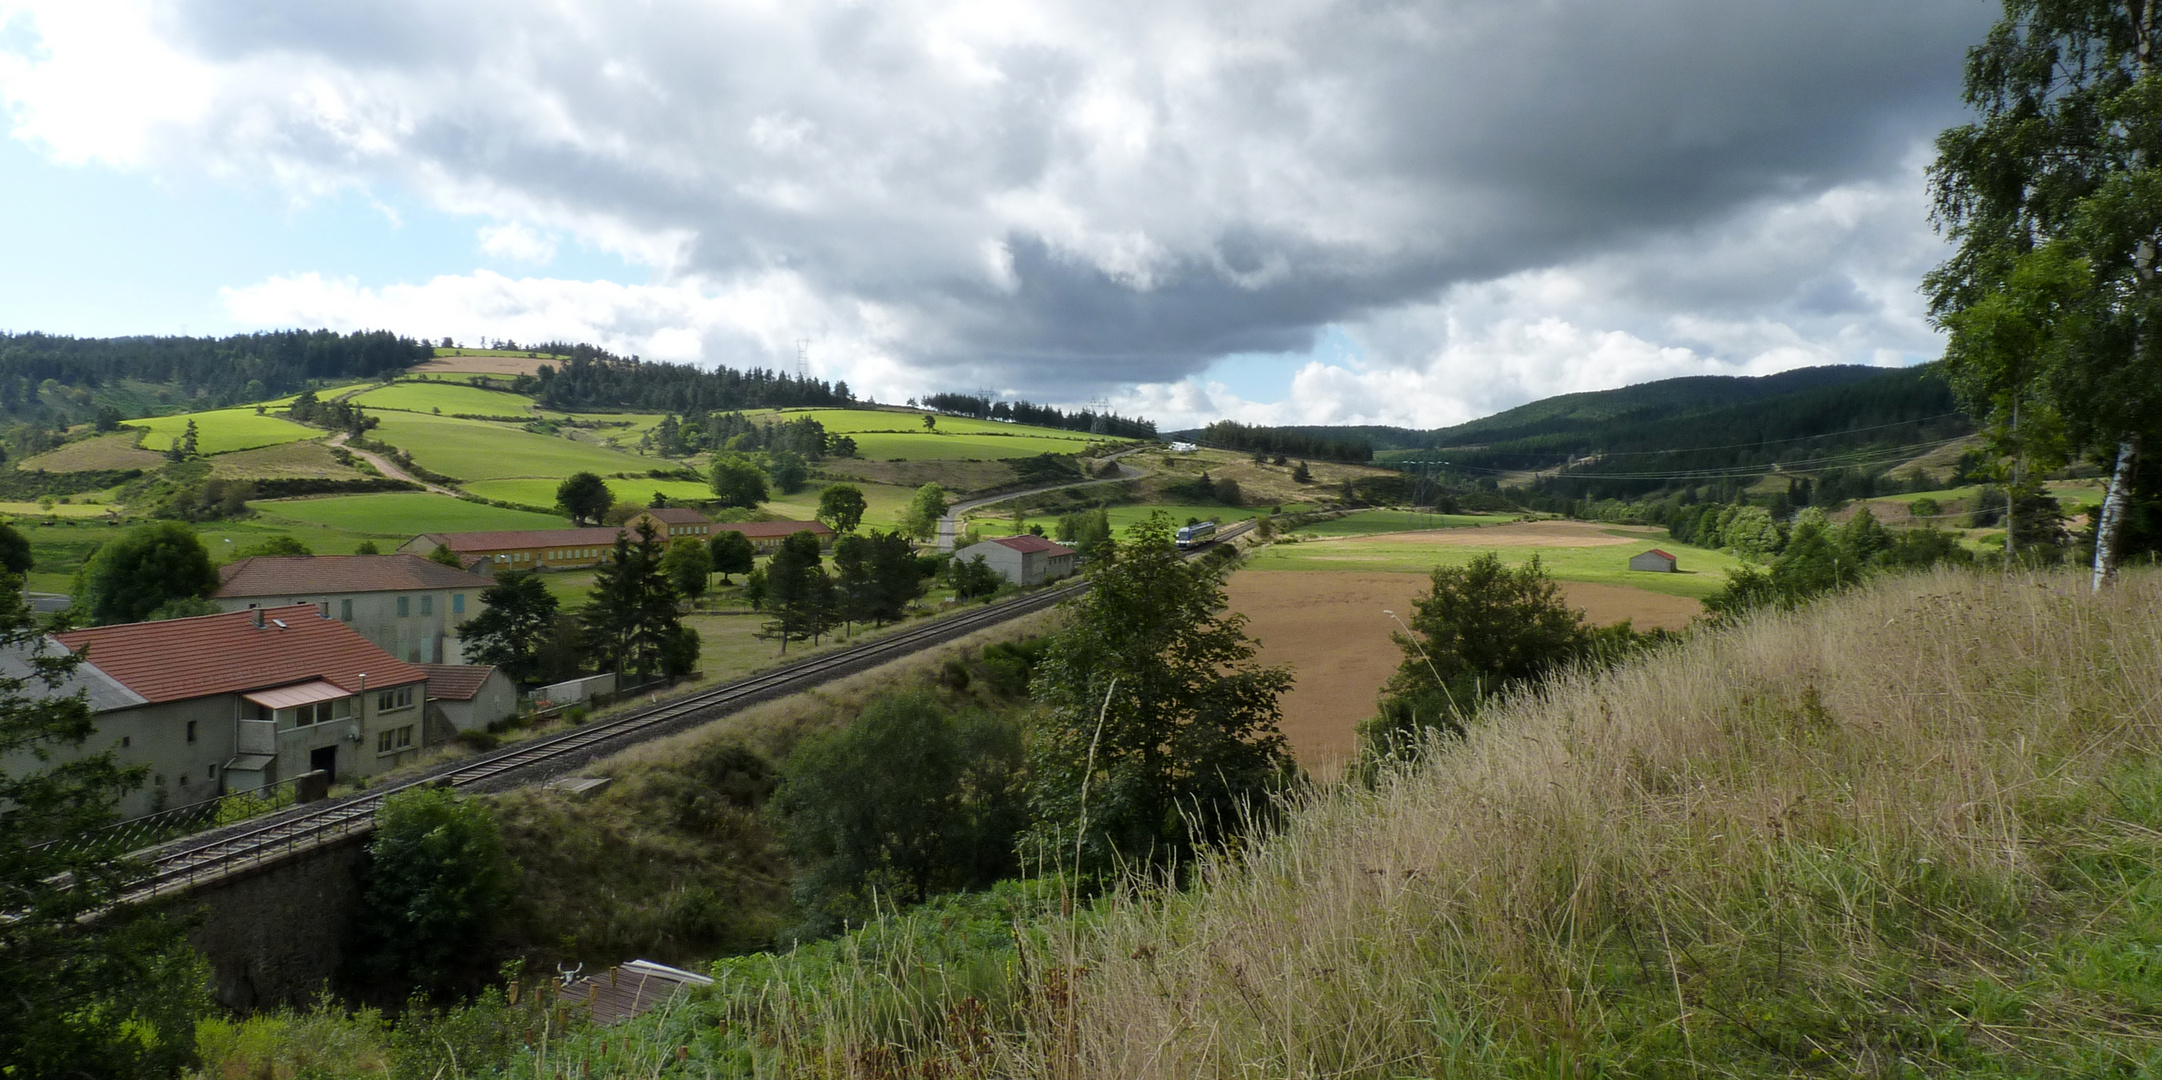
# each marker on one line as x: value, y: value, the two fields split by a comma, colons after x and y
x: 1912, y: 830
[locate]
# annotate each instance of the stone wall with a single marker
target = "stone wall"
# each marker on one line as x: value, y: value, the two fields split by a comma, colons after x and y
x: 276, y: 936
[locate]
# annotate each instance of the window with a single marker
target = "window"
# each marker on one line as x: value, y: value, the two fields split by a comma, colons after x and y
x: 427, y: 605
x: 457, y: 603
x: 124, y: 741
x: 388, y: 700
x: 191, y: 731
x: 213, y: 770
x: 393, y: 740
x: 405, y: 606
x: 345, y: 611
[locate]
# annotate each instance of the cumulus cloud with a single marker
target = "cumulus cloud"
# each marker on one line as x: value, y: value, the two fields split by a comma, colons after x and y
x: 1065, y: 195
x: 517, y: 243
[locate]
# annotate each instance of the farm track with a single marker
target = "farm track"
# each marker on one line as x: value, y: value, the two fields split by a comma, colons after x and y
x: 184, y: 864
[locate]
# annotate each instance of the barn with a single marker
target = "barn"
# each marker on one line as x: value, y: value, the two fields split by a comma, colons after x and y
x: 1656, y: 561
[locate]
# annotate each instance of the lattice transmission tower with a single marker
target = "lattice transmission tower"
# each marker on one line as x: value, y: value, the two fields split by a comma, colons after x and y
x: 1099, y: 411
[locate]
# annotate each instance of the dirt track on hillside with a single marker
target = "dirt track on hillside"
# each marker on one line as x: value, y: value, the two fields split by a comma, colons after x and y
x: 1329, y: 627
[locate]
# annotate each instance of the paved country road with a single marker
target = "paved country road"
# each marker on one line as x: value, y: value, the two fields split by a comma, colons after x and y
x: 948, y: 525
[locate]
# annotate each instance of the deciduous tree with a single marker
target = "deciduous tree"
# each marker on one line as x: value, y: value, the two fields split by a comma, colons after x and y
x: 1481, y: 628
x: 584, y: 496
x: 1154, y: 705
x: 141, y: 570
x: 906, y: 801
x: 732, y: 552
x: 2054, y: 196
x: 841, y: 507
x: 738, y: 481
x: 919, y: 518
x: 688, y: 566
x: 437, y: 879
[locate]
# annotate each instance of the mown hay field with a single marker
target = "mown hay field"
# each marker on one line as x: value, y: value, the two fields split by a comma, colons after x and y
x: 309, y: 460
x: 223, y: 430
x: 1332, y: 630
x: 1569, y: 550
x: 404, y: 514
x: 541, y: 491
x: 1370, y: 522
x: 481, y: 450
x: 115, y: 451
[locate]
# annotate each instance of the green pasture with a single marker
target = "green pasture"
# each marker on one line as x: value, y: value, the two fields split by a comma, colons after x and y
x: 1703, y: 572
x: 59, y: 547
x: 541, y: 491
x: 882, y: 502
x: 429, y: 396
x: 990, y: 522
x: 1369, y: 522
x: 403, y: 514
x: 483, y: 450
x: 957, y: 446
x: 854, y: 421
x: 322, y: 394
x: 223, y: 430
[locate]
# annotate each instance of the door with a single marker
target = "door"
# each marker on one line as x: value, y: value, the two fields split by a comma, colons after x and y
x: 325, y: 760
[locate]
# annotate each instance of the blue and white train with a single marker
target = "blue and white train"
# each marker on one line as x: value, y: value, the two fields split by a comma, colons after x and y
x: 1193, y: 536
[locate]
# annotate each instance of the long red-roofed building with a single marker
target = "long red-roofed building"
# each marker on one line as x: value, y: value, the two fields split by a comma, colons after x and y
x: 562, y: 549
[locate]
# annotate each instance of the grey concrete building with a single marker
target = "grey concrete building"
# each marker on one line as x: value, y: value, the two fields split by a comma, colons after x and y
x: 409, y: 606
x: 469, y: 697
x: 1023, y: 560
x: 233, y: 702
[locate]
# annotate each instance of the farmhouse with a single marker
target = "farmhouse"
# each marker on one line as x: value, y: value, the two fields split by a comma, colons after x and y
x: 1656, y: 561
x: 1023, y: 560
x: 236, y: 701
x: 410, y: 607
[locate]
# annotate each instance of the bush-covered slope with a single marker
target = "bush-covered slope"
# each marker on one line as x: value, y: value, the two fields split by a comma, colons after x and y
x: 1913, y: 831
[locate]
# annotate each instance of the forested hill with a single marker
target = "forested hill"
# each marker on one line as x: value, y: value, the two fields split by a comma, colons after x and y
x: 591, y: 378
x: 1678, y: 432
x: 243, y: 367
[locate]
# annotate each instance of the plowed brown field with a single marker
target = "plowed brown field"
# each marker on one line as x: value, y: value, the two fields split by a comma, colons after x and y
x: 1329, y: 627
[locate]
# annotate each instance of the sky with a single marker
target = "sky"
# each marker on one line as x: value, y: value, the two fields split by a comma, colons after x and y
x: 1275, y: 211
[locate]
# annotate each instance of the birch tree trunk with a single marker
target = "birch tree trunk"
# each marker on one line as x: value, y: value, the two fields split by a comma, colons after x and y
x: 2110, y: 530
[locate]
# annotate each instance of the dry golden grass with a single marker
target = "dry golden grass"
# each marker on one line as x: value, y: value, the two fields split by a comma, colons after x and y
x: 1886, y: 749
x: 115, y: 451
x: 1911, y: 831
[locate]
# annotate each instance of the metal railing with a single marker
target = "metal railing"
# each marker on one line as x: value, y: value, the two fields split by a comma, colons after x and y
x: 172, y: 823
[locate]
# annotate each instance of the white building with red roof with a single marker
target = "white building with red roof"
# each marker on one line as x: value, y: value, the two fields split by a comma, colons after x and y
x: 233, y: 702
x: 1027, y: 559
x: 410, y: 607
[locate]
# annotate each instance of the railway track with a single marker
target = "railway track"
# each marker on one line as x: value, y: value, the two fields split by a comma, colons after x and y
x: 183, y: 864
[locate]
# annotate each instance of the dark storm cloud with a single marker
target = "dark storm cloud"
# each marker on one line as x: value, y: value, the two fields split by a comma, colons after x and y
x: 1069, y: 195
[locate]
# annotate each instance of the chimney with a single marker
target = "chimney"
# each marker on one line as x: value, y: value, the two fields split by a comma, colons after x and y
x: 258, y: 617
